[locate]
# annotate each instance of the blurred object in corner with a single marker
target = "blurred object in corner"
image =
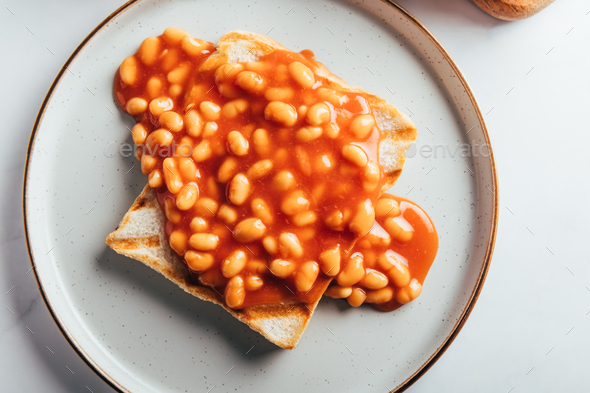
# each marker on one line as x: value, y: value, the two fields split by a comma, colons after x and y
x: 512, y: 9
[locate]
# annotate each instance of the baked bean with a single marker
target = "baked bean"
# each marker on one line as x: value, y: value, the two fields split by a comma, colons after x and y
x: 194, y: 123
x: 261, y: 141
x: 227, y: 214
x: 409, y: 293
x: 308, y: 134
x: 148, y: 163
x: 318, y: 114
x: 395, y: 267
x: 159, y: 138
x: 281, y: 113
x: 258, y: 66
x: 318, y: 192
x: 128, y: 70
x: 374, y: 279
x: 187, y: 168
x: 281, y: 156
x: 229, y: 90
x: 283, y: 181
x: 303, y: 160
x: 185, y: 147
x: 227, y: 169
x: 302, y: 111
x: 279, y: 94
x: 234, y: 263
x: 304, y: 218
x: 257, y: 266
x: 335, y: 221
x: 301, y: 74
x: 259, y: 169
x: 149, y: 51
x: 234, y: 108
x: 175, y: 90
x: 306, y: 276
x: 173, y: 35
x: 227, y: 71
x: 382, y: 295
x: 136, y: 106
x: 253, y: 283
x: 324, y: 163
x: 377, y: 237
x: 332, y: 130
x: 172, y: 213
x: 198, y: 261
x: 282, y: 268
x: 355, y: 155
x: 156, y: 179
x: 357, y: 297
x: 249, y: 230
x: 160, y: 105
x: 260, y: 209
x: 364, y: 218
x: 235, y: 293
x: 198, y: 224
x: 187, y: 196
x: 330, y: 261
x: 210, y: 130
x: 195, y: 47
x: 353, y: 272
x: 171, y: 121
x: 212, y: 278
x: 172, y: 176
x: 177, y: 241
x: 206, y: 207
x: 213, y: 188
x: 154, y: 87
x: 386, y: 207
x: 239, y: 189
x: 336, y: 98
x: 289, y: 245
x: 250, y: 81
x: 210, y: 110
x: 294, y: 203
x: 237, y: 144
x: 139, y: 134
x: 202, y: 151
x: 371, y: 176
x: 396, y: 231
x: 179, y: 74
x: 271, y: 245
x: 362, y: 126
x: 338, y: 292
x: 204, y: 241
x: 170, y: 59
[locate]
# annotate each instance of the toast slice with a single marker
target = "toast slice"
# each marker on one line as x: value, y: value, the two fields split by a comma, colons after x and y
x: 141, y: 236
x: 141, y: 233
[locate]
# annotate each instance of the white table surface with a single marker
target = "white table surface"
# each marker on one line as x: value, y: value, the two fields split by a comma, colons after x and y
x: 529, y: 329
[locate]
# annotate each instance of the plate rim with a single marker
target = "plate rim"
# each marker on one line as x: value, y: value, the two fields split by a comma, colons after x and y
x: 472, y: 298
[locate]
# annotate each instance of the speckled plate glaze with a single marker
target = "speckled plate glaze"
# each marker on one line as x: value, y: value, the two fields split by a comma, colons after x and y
x: 140, y: 332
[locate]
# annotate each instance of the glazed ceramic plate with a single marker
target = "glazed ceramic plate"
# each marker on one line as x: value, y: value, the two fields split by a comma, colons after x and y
x: 143, y: 334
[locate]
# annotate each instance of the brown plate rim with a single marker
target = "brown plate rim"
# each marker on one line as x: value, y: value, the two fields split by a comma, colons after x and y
x: 472, y: 299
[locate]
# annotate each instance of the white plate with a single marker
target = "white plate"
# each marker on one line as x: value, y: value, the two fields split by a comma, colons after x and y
x: 141, y: 333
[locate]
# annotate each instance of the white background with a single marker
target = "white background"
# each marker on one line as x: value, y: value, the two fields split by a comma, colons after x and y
x: 529, y: 331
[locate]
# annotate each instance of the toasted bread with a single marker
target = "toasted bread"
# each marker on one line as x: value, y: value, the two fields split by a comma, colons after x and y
x: 141, y: 233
